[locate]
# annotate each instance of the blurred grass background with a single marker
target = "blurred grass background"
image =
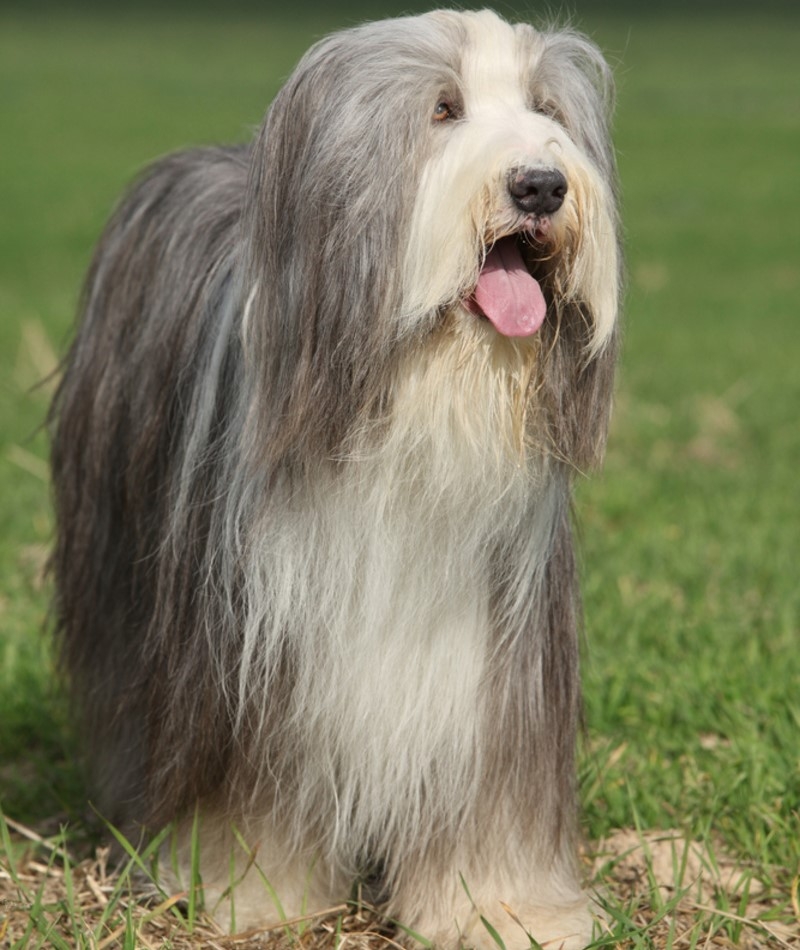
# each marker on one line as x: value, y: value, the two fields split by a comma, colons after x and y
x: 690, y: 536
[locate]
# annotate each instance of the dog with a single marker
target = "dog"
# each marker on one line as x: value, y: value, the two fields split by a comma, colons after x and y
x: 313, y: 448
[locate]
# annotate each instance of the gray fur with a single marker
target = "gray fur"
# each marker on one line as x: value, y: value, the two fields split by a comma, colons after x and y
x: 232, y: 475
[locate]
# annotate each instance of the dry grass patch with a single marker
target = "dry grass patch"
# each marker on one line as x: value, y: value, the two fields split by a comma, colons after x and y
x: 658, y: 891
x: 48, y: 899
x: 678, y: 893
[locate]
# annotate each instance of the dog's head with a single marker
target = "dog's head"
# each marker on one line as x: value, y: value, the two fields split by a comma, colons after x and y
x: 443, y: 177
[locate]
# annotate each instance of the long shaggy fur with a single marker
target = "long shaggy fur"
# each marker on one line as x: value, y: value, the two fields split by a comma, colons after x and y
x: 314, y: 564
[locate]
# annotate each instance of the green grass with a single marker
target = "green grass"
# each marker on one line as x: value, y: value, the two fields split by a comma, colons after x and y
x: 690, y: 536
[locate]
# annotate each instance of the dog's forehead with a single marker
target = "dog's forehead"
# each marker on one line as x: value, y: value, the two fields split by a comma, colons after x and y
x: 497, y: 59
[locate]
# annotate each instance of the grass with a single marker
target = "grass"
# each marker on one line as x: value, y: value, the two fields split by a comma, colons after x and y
x: 692, y: 533
x: 690, y: 536
x: 652, y: 889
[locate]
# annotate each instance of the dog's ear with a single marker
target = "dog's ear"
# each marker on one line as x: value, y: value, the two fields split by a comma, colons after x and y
x: 573, y: 82
x: 577, y: 390
x: 328, y: 207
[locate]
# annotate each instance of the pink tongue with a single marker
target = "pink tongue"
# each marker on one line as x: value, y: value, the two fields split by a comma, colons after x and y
x: 507, y: 293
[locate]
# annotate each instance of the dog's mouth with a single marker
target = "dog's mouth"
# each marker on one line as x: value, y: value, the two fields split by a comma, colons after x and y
x: 507, y: 294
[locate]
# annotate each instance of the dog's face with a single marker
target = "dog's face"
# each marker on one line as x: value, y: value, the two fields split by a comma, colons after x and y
x: 444, y: 173
x: 514, y: 188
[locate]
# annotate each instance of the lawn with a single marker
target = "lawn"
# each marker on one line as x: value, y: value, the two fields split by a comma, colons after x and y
x: 690, y: 536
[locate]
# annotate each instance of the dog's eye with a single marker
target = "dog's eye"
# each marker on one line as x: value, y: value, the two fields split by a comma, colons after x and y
x: 548, y: 108
x: 443, y: 111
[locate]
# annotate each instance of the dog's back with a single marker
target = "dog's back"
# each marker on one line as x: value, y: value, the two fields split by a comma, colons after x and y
x: 153, y: 300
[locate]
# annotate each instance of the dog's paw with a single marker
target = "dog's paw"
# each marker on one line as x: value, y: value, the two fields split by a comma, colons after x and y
x: 559, y: 927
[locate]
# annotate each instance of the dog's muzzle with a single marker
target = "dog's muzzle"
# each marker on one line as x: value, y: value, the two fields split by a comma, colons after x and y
x: 507, y: 293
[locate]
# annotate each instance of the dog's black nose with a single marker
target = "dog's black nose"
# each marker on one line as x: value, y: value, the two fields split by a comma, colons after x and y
x: 537, y: 190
